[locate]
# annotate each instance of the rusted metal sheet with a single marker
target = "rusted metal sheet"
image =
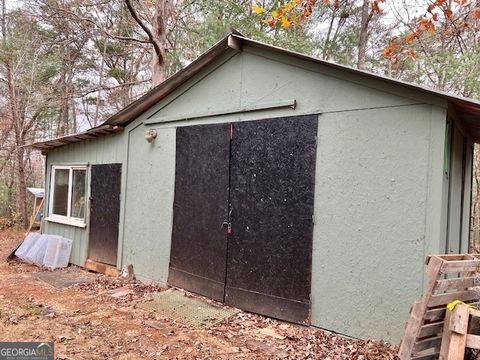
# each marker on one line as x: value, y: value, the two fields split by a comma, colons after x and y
x: 198, y: 252
x: 272, y: 198
x: 105, y: 187
x: 99, y: 131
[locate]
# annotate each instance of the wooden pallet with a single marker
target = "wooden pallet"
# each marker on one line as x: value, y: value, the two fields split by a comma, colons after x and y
x: 456, y: 332
x: 449, y: 278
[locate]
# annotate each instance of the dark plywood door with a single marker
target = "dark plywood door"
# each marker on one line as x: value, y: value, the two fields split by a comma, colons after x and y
x: 199, y: 246
x: 105, y: 187
x: 272, y: 199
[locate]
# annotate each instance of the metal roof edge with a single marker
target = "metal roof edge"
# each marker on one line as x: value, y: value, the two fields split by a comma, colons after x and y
x: 98, y: 131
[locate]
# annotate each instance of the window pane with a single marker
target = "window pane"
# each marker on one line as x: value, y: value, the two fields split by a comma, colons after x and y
x: 60, y: 192
x: 78, y: 194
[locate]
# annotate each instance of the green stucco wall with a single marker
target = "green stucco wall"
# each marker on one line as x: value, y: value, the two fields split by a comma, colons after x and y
x: 458, y: 180
x: 371, y: 215
x: 105, y: 150
x: 379, y: 195
x: 149, y: 200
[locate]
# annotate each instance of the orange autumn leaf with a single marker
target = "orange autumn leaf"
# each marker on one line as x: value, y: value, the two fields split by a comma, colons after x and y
x: 448, y: 12
x: 476, y: 13
x: 288, y: 7
x: 285, y: 22
x: 291, y: 12
x: 426, y: 25
x: 412, y: 54
x: 389, y: 51
x: 270, y: 22
x: 376, y: 6
x: 411, y: 37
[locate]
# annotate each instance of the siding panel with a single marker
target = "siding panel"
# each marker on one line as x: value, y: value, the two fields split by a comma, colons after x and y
x: 149, y: 198
x: 100, y: 151
x: 370, y: 210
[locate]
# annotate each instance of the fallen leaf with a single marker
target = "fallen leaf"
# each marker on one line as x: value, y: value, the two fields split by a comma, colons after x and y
x: 269, y: 331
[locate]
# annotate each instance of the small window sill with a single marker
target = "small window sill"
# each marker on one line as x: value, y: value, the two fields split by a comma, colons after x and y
x: 66, y: 221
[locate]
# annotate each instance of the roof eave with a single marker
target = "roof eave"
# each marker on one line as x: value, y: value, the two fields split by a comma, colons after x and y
x: 99, y: 131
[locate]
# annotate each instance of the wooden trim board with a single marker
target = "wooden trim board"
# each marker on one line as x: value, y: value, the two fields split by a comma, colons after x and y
x: 102, y: 268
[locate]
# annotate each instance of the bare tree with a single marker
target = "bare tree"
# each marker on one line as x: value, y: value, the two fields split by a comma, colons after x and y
x: 19, y: 126
x: 363, y: 33
x: 157, y: 33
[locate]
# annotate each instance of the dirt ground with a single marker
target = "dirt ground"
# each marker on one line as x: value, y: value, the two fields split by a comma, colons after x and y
x: 86, y: 322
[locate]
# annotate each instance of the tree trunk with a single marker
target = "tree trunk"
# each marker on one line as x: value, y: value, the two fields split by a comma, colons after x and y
x: 22, y: 183
x: 17, y: 123
x: 157, y: 37
x: 326, y: 49
x: 162, y: 14
x: 19, y: 142
x: 363, y: 35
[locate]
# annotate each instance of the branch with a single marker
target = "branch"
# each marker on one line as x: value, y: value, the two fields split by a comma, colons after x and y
x: 123, y: 38
x: 111, y: 87
x: 145, y: 28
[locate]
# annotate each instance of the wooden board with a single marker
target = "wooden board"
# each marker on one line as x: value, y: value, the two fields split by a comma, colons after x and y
x: 199, y: 241
x: 449, y: 277
x: 32, y: 221
x: 102, y: 268
x: 412, y: 329
x: 272, y: 200
x: 105, y: 185
x: 454, y: 337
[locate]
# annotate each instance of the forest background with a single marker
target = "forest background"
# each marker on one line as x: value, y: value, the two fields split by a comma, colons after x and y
x: 67, y: 65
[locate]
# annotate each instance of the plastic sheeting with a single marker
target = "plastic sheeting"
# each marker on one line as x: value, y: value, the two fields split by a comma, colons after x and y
x: 51, y: 251
x: 26, y: 245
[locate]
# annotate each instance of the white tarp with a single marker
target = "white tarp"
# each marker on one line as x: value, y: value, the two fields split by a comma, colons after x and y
x: 52, y: 251
x: 58, y: 252
x: 26, y: 245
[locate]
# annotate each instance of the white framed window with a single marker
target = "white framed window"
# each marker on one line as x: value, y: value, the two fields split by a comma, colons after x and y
x: 67, y: 197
